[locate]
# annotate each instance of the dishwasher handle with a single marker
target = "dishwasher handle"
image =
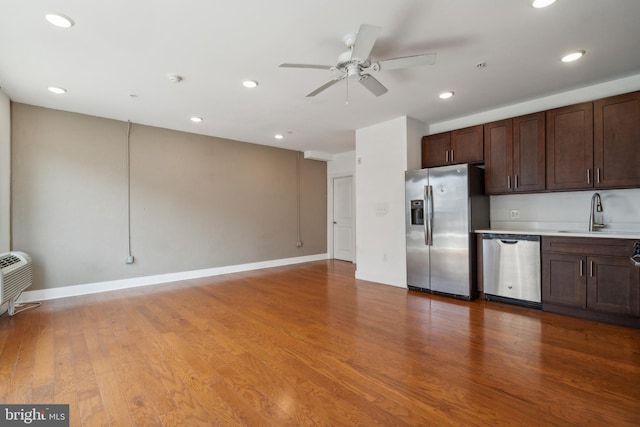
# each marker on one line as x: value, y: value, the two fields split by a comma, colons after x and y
x: 509, y: 242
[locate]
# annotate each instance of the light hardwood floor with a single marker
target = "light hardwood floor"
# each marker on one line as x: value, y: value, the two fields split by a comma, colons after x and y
x: 310, y: 345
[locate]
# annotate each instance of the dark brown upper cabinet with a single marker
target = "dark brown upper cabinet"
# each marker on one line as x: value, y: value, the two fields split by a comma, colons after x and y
x: 570, y: 147
x: 514, y: 154
x: 435, y: 149
x: 455, y: 147
x: 616, y: 140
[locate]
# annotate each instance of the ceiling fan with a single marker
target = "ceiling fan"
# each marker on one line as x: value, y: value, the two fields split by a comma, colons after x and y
x: 356, y: 62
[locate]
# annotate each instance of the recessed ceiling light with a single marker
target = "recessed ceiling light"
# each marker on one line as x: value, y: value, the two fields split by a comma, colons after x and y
x: 196, y: 119
x: 59, y: 20
x: 446, y: 95
x: 278, y: 136
x: 573, y: 56
x: 250, y: 84
x: 58, y: 90
x: 538, y: 4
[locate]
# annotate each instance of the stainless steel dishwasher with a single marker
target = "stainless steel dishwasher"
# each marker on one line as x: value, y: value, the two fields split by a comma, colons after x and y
x: 511, y: 268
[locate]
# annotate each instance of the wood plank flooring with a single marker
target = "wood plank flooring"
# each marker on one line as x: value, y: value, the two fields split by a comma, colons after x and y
x: 308, y: 345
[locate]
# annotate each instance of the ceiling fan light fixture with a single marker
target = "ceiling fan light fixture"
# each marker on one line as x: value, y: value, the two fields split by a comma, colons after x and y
x: 57, y: 90
x: 446, y: 95
x: 573, y: 56
x: 59, y: 20
x: 539, y: 4
x: 250, y: 84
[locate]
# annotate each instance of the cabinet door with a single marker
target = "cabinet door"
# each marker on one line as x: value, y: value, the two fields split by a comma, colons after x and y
x: 570, y: 147
x: 529, y: 153
x: 564, y: 280
x: 612, y: 285
x: 467, y: 145
x: 617, y: 141
x: 435, y: 149
x: 498, y: 156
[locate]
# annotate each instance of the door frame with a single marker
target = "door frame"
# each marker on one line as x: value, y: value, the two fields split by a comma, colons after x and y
x: 330, y: 203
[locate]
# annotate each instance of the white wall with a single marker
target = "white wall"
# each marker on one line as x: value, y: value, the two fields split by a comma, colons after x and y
x: 415, y: 131
x: 382, y: 157
x: 567, y: 211
x: 5, y: 173
x: 342, y: 164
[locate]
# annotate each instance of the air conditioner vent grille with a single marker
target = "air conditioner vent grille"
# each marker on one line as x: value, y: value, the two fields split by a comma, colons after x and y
x: 16, y: 275
x: 8, y: 260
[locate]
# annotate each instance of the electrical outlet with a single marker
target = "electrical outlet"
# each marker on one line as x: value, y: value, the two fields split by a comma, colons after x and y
x: 514, y: 214
x: 129, y: 259
x: 382, y: 209
x: 299, y: 244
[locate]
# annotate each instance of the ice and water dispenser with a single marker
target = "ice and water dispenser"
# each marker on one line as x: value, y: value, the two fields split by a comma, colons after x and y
x: 417, y: 212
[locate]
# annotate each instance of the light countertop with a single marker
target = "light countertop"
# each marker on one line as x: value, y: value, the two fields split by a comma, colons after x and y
x: 566, y: 233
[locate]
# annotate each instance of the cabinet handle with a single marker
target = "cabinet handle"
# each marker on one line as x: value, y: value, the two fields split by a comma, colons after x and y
x: 509, y: 181
x: 588, y: 176
x: 581, y: 268
x: 598, y: 175
x: 446, y: 156
x: 591, y: 268
x: 451, y: 156
x: 516, y: 181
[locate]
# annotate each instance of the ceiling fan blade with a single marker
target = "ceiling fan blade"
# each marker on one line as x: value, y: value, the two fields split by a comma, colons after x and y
x: 407, y: 61
x: 319, y: 67
x: 327, y: 85
x: 366, y: 38
x: 374, y: 86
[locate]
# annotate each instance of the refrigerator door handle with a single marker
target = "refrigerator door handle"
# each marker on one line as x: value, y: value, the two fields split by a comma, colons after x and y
x: 428, y: 239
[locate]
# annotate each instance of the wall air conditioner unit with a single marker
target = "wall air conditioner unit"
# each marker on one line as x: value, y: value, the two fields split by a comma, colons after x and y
x: 16, y: 275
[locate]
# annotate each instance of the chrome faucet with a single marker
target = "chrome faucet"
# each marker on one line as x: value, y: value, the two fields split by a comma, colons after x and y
x: 596, y: 206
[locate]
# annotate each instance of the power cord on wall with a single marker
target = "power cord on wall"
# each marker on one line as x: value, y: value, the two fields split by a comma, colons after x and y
x: 299, y: 237
x: 129, y: 259
x: 23, y: 307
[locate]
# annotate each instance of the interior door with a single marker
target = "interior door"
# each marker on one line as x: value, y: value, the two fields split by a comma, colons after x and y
x: 343, y: 219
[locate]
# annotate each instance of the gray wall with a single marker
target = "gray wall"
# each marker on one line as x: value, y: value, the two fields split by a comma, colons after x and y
x: 196, y: 202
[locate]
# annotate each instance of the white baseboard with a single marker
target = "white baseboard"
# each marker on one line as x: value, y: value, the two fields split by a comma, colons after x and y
x: 377, y: 279
x: 92, y: 288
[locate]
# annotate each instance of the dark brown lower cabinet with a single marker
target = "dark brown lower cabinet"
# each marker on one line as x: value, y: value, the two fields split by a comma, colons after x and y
x: 592, y: 278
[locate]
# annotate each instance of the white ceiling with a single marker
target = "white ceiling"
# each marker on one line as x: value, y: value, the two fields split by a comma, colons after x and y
x: 123, y: 47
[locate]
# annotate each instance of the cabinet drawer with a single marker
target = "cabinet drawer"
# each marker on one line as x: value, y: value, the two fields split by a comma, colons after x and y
x: 585, y: 245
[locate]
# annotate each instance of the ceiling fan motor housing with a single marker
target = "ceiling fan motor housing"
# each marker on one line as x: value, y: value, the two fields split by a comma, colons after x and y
x: 349, y: 65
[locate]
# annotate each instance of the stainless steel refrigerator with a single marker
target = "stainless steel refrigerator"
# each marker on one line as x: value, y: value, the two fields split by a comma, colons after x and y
x: 444, y: 206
